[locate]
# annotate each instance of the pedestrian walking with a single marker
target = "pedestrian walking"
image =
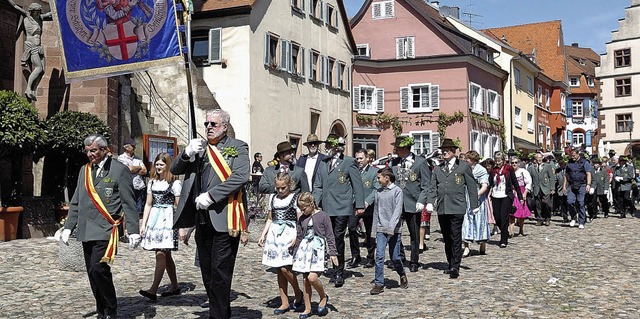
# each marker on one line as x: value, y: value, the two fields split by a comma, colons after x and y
x: 600, y: 182
x: 624, y: 175
x: 278, y: 238
x: 521, y: 211
x: 475, y: 227
x: 314, y: 241
x: 578, y: 178
x: 504, y: 188
x: 543, y: 180
x: 387, y: 225
x: 158, y: 235
x: 285, y: 153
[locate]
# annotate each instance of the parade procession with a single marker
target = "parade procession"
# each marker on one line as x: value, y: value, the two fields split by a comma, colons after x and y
x: 318, y: 158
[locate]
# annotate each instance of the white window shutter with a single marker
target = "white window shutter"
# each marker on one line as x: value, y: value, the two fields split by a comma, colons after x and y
x: 399, y: 48
x: 404, y: 98
x: 379, y: 100
x: 321, y: 8
x: 471, y: 96
x: 498, y: 106
x: 435, y: 96
x: 266, y: 49
x: 356, y: 98
x: 435, y: 140
x: 376, y: 11
x: 301, y: 54
x: 471, y: 143
x: 388, y: 9
x: 483, y: 100
x: 410, y: 47
x: 215, y: 45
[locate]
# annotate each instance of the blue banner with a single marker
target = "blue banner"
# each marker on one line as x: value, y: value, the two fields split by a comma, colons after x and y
x: 108, y: 37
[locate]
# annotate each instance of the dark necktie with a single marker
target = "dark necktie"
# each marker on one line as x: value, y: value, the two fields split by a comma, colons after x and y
x: 94, y: 171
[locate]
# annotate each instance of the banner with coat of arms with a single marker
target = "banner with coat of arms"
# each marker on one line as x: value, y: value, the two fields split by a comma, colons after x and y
x: 102, y: 38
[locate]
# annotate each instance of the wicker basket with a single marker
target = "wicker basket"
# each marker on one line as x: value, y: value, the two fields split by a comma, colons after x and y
x: 71, y: 256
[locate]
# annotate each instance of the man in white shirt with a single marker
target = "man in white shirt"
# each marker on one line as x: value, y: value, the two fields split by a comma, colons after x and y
x: 311, y: 161
x: 138, y: 172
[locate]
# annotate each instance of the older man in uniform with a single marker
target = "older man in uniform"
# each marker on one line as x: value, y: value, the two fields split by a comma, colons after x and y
x: 600, y: 187
x: 413, y: 176
x: 452, y: 191
x: 543, y: 179
x: 624, y: 175
x: 338, y: 191
x: 285, y: 153
x: 217, y: 206
x: 102, y: 199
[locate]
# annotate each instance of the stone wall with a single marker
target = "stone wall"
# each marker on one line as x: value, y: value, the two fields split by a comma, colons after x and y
x: 8, y: 36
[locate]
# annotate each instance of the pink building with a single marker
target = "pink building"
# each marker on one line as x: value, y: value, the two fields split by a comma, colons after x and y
x: 412, y: 67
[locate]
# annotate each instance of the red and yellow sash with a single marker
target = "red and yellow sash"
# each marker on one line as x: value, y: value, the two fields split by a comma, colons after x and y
x: 112, y: 248
x: 235, y: 208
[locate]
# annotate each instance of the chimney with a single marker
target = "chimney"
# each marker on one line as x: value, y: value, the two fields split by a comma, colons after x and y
x: 447, y: 11
x: 575, y: 45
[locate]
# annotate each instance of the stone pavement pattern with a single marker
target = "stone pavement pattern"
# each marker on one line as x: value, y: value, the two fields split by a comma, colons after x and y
x: 554, y: 272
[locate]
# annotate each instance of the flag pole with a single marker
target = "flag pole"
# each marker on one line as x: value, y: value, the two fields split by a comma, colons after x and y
x: 186, y: 7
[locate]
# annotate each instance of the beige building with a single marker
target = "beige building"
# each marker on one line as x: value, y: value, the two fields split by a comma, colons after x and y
x: 280, y: 68
x: 620, y: 84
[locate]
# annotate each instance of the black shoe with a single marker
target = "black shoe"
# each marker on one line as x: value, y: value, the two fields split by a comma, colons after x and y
x: 339, y: 281
x: 332, y: 280
x: 413, y: 268
x: 323, y: 311
x: 369, y: 264
x: 171, y: 293
x: 454, y: 273
x: 354, y: 263
x: 146, y: 294
x: 404, y: 282
x: 447, y: 271
x: 278, y: 311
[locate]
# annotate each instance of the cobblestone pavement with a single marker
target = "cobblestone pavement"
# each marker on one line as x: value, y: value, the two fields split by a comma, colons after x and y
x: 553, y: 272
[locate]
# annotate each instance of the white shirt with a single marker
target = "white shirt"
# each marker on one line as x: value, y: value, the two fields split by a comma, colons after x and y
x: 138, y: 181
x: 100, y: 165
x: 310, y: 168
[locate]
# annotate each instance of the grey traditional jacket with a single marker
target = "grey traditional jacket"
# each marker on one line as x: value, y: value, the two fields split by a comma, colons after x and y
x: 339, y: 190
x: 627, y: 173
x: 600, y: 180
x: 115, y: 188
x: 370, y: 184
x: 185, y: 215
x: 542, y: 180
x: 298, y: 184
x: 413, y: 180
x: 449, y: 191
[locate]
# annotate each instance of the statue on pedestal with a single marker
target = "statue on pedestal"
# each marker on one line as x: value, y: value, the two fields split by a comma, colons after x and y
x: 33, y: 54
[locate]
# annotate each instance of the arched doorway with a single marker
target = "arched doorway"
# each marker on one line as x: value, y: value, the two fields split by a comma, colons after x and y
x: 338, y: 127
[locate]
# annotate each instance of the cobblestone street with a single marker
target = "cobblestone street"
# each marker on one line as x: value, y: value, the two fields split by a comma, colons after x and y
x: 553, y: 272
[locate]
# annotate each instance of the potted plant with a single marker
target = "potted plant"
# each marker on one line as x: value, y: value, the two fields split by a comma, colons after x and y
x: 21, y: 133
x: 65, y: 152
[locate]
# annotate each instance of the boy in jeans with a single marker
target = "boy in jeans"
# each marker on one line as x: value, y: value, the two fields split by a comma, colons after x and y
x: 387, y: 224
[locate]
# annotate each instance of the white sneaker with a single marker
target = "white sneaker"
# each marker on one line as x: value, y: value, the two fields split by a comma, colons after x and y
x: 466, y: 252
x: 581, y: 226
x: 572, y: 223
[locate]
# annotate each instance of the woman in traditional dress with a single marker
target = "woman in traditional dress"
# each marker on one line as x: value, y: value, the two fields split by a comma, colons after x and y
x: 504, y: 187
x: 157, y: 233
x: 475, y: 227
x: 521, y: 209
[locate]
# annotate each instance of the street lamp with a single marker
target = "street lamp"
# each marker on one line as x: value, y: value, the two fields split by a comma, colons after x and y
x: 630, y: 145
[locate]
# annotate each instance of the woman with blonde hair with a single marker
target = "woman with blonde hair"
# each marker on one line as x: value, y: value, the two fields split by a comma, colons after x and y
x: 475, y: 227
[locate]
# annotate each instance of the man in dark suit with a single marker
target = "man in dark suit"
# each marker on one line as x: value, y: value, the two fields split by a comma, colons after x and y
x: 370, y: 184
x: 413, y: 176
x: 543, y: 179
x: 103, y: 197
x: 210, y: 206
x: 452, y: 191
x: 338, y: 190
x: 311, y: 161
x: 285, y: 153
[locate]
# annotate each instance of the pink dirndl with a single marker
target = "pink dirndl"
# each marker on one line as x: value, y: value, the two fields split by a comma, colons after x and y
x: 522, y: 211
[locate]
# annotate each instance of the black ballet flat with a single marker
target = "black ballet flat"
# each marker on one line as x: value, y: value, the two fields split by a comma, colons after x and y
x: 146, y: 294
x: 171, y: 293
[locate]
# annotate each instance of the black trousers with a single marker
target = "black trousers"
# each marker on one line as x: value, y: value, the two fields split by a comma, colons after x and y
x: 541, y: 205
x: 625, y: 202
x: 354, y: 242
x: 451, y: 227
x: 100, y: 277
x: 501, y: 210
x: 560, y: 203
x: 217, y: 255
x: 339, y: 224
x: 413, y: 224
x: 604, y: 203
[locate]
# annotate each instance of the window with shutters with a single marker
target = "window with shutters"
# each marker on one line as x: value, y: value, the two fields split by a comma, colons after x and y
x: 517, y: 114
x: 530, y: 123
x: 476, y: 98
x: 315, y: 66
x: 495, y: 145
x: 382, y: 10
x: 340, y: 66
x: 590, y: 81
x: 577, y: 108
x: 298, y: 5
x: 368, y: 99
x: 272, y: 50
x: 623, y: 87
x: 416, y: 98
x: 346, y: 76
x: 425, y: 142
x: 577, y: 139
x: 331, y: 17
x: 363, y: 51
x: 474, y: 141
x: 296, y: 65
x: 316, y: 10
x: 200, y: 47
x: 538, y: 100
x: 530, y: 85
x: 405, y: 47
x: 548, y: 137
x: 516, y: 76
x: 331, y: 80
x: 493, y: 101
x: 541, y: 129
x: 215, y: 45
x: 623, y: 58
x: 547, y: 98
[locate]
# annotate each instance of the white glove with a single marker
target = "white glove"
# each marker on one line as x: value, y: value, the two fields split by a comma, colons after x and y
x: 618, y: 178
x: 65, y: 236
x: 430, y: 207
x: 134, y: 240
x: 592, y: 190
x: 203, y: 201
x: 475, y: 210
x: 419, y: 207
x: 606, y: 192
x: 195, y: 147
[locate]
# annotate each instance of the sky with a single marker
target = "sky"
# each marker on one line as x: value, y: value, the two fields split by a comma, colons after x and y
x: 587, y: 22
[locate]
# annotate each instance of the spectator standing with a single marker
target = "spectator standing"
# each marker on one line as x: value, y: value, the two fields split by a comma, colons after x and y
x: 138, y: 172
x: 256, y: 173
x: 624, y: 175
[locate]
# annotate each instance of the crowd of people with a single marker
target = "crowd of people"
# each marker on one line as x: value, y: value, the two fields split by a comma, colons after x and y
x: 314, y: 203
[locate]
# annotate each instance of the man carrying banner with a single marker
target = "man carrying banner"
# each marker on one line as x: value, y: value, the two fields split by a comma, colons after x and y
x: 217, y: 206
x: 102, y: 199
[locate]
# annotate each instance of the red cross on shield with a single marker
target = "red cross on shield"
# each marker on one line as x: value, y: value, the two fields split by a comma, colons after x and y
x: 121, y: 40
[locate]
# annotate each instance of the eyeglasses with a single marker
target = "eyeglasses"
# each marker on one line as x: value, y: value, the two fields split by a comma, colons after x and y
x: 281, y: 188
x: 514, y: 162
x: 213, y: 124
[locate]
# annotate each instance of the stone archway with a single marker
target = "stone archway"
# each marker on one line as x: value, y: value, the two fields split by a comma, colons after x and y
x: 338, y: 127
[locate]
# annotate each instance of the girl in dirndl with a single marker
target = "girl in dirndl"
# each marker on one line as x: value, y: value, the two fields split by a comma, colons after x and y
x: 278, y: 238
x: 315, y: 239
x: 157, y: 233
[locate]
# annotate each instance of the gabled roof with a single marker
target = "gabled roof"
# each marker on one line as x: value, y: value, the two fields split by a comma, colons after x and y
x: 589, y: 59
x: 543, y: 38
x: 460, y: 41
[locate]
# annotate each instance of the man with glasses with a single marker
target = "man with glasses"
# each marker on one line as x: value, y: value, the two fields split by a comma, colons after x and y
x: 216, y: 206
x: 311, y: 161
x: 102, y: 199
x: 285, y: 154
x: 138, y: 172
x: 543, y: 180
